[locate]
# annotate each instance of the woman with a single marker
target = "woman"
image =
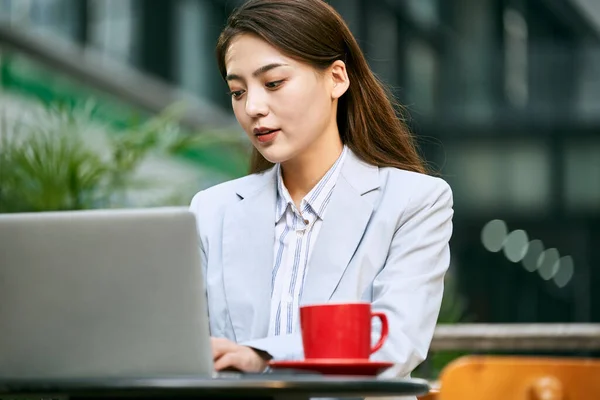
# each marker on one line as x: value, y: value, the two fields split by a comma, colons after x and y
x: 338, y: 206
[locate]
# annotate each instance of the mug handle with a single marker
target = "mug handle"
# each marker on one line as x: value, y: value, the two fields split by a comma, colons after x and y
x: 384, y: 330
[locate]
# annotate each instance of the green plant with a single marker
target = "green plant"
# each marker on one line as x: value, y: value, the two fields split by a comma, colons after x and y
x: 60, y: 158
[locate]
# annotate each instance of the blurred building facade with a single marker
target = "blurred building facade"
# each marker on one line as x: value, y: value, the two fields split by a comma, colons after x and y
x: 504, y: 96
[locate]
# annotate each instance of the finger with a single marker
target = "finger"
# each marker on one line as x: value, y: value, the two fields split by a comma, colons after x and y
x: 221, y: 346
x: 229, y: 360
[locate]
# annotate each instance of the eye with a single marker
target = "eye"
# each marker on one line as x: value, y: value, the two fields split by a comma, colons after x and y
x: 236, y: 93
x: 274, y: 84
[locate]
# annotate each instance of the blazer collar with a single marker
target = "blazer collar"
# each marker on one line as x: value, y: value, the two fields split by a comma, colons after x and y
x: 254, y: 184
x: 361, y: 176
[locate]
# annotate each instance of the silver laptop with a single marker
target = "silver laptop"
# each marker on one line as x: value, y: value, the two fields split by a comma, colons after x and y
x: 106, y: 293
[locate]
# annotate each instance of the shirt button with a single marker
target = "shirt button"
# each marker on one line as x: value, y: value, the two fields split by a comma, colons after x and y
x: 306, y: 222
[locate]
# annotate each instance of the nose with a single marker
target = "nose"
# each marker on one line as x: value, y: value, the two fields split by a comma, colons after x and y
x: 256, y: 104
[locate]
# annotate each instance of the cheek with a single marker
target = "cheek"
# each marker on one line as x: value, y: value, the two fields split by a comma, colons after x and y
x: 306, y: 108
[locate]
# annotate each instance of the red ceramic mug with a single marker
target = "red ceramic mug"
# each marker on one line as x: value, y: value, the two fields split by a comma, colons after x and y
x: 340, y: 330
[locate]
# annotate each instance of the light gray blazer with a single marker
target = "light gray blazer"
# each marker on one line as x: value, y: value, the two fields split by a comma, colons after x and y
x: 384, y: 240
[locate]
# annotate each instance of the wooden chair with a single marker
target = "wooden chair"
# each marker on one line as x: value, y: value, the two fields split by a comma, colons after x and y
x: 520, y: 378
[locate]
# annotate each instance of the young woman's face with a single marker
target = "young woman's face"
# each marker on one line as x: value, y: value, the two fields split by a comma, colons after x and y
x: 286, y: 107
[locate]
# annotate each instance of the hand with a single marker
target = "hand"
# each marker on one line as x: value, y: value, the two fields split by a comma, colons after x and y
x: 227, y: 354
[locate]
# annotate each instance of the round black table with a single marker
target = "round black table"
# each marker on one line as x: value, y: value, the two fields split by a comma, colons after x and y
x: 268, y: 386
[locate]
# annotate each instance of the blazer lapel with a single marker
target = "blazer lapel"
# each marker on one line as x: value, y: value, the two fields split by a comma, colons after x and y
x: 248, y: 240
x: 344, y: 223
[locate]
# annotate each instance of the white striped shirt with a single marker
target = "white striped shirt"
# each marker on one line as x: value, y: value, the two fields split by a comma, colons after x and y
x: 295, y: 236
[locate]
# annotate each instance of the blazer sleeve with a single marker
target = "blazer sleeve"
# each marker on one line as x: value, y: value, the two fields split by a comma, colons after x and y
x: 409, y: 288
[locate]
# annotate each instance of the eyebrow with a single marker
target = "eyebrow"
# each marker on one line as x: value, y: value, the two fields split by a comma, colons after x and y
x: 260, y: 71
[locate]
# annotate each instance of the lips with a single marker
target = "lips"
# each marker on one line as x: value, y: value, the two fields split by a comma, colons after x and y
x: 265, y: 135
x: 264, y: 131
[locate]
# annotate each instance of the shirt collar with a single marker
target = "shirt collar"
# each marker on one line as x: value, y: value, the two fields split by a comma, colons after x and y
x: 316, y: 200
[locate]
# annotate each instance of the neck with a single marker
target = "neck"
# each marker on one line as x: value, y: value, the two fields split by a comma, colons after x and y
x: 303, y: 172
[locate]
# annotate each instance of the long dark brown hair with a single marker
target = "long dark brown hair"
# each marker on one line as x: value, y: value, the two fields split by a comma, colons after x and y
x: 311, y: 31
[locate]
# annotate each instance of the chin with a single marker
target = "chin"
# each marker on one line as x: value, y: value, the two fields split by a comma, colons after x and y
x: 274, y: 154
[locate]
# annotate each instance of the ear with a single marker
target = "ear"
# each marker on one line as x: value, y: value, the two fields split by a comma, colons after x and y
x: 339, y: 79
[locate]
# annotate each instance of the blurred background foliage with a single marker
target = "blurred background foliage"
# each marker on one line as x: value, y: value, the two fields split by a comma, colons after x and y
x: 63, y: 158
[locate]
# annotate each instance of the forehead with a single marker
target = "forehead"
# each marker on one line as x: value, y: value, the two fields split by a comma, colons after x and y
x: 248, y: 52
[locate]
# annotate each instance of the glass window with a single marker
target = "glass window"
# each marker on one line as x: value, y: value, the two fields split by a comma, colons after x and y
x: 492, y: 176
x: 582, y: 175
x: 54, y: 17
x: 588, y: 85
x: 421, y: 74
x: 197, y: 28
x: 191, y: 52
x: 425, y: 12
x: 111, y: 29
